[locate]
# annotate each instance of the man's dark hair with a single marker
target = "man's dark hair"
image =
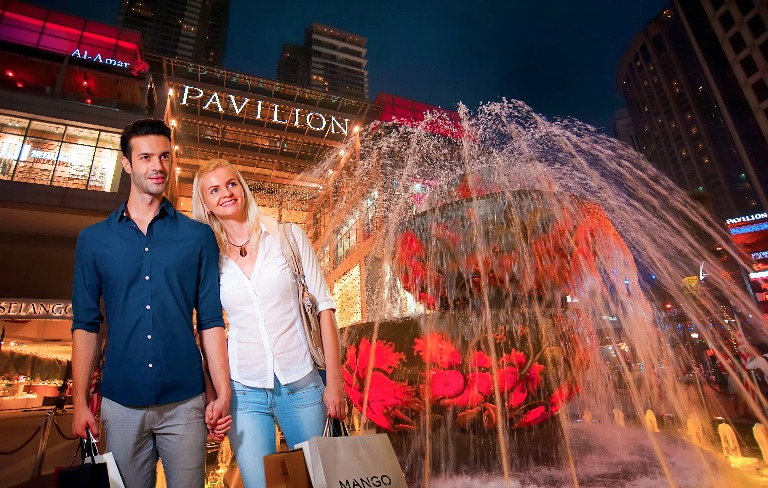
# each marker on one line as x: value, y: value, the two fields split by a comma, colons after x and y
x: 143, y: 127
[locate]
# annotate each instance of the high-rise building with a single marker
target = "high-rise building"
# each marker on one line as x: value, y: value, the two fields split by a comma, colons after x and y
x: 695, y: 85
x: 331, y: 60
x: 193, y: 30
x: 623, y: 129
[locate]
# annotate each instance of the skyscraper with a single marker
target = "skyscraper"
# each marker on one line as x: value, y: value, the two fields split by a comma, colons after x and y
x: 331, y: 60
x: 695, y: 85
x: 193, y: 30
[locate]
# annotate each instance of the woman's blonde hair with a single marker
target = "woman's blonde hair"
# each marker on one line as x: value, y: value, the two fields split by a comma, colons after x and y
x: 201, y: 213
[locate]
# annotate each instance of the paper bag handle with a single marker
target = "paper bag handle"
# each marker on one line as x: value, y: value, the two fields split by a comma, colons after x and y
x: 335, y: 428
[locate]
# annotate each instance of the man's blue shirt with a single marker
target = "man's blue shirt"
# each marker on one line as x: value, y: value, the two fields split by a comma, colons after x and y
x: 150, y: 285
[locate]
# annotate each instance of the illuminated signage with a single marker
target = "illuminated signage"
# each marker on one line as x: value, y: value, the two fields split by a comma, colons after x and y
x: 747, y: 218
x: 749, y: 228
x: 759, y: 275
x: 760, y: 255
x: 35, y: 309
x: 761, y: 297
x: 296, y: 117
x: 99, y: 59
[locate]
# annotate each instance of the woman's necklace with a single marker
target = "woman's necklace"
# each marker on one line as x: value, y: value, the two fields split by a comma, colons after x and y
x: 243, y: 247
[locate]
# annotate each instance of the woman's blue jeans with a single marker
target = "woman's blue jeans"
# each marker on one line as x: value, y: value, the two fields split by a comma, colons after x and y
x: 297, y: 407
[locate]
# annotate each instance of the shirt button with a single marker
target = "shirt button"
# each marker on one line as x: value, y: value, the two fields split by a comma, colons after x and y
x: 146, y: 277
x: 147, y: 307
x: 150, y: 365
x: 149, y: 336
x: 146, y: 249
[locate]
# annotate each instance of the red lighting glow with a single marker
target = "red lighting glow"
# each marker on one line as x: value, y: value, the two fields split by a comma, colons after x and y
x: 10, y: 73
x: 668, y: 306
x: 20, y: 84
x: 88, y: 101
x: 85, y: 82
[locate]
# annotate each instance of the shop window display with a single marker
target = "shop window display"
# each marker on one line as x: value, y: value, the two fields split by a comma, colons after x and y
x: 47, y: 153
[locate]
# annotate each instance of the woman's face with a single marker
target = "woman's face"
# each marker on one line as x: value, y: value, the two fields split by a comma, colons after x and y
x: 222, y: 193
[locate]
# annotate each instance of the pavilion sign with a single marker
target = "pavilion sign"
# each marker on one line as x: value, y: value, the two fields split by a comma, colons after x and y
x: 28, y: 309
x: 263, y: 110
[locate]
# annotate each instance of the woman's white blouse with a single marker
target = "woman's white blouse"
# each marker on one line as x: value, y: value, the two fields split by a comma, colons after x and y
x: 266, y: 337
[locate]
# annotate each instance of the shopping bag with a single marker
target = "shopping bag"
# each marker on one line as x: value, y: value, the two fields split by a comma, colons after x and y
x: 286, y: 469
x: 87, y: 475
x: 106, y: 459
x: 352, y: 462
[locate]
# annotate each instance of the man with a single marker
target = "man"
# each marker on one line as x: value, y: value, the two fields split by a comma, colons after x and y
x: 152, y: 266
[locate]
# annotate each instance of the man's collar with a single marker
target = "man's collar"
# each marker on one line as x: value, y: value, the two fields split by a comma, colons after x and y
x: 165, y: 205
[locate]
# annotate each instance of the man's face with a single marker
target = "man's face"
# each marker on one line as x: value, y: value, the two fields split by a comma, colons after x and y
x: 150, y: 164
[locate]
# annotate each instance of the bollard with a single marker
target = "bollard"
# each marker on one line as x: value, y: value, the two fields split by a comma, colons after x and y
x: 38, y: 467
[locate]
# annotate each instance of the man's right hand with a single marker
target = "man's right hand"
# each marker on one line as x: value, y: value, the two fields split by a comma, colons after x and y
x: 83, y: 419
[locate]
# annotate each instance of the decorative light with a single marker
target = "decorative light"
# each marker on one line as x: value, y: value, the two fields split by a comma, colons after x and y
x: 176, y: 148
x: 85, y: 82
x: 330, y: 172
x: 170, y: 92
x: 694, y: 335
x: 88, y: 101
x: 178, y: 170
x: 342, y: 152
x: 10, y: 73
x: 173, y: 123
x: 356, y: 128
x: 20, y: 84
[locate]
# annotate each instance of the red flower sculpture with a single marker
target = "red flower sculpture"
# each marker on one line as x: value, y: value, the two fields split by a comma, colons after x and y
x: 386, y: 399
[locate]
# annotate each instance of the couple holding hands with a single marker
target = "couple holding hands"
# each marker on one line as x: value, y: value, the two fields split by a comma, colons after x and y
x: 153, y: 267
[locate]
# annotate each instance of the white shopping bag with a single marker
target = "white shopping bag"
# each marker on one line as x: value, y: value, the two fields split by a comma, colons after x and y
x: 352, y: 461
x: 115, y: 480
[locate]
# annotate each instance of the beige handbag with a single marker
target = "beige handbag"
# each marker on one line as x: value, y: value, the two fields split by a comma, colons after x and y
x: 307, y: 299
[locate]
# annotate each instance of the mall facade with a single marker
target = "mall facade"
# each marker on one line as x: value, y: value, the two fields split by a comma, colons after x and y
x: 68, y: 87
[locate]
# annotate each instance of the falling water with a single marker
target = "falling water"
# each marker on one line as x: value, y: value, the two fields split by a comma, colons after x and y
x: 650, y: 421
x: 515, y: 272
x: 729, y: 441
x: 761, y: 435
x: 618, y: 417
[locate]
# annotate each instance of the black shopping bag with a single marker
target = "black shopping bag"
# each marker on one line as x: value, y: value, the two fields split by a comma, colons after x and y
x: 86, y: 475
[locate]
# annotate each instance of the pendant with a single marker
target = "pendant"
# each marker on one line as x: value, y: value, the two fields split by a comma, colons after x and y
x: 243, y: 251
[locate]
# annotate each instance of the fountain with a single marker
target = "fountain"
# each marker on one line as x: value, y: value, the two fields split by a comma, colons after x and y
x: 517, y: 272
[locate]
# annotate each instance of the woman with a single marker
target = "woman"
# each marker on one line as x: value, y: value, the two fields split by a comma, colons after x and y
x: 273, y: 376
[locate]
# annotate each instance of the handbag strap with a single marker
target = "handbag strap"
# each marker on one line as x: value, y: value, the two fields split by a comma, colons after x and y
x: 292, y: 256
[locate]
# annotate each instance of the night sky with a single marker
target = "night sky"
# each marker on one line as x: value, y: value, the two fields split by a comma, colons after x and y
x: 558, y: 56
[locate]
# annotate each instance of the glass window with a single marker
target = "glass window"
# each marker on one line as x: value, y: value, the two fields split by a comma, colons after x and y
x: 745, y: 6
x: 369, y: 212
x: 73, y: 166
x: 756, y: 26
x: 106, y: 171
x: 764, y: 50
x: 737, y: 42
x: 46, y: 130
x: 79, y: 135
x: 13, y: 125
x: 37, y: 160
x: 761, y: 90
x: 749, y: 66
x: 726, y: 20
x: 109, y: 140
x: 10, y: 149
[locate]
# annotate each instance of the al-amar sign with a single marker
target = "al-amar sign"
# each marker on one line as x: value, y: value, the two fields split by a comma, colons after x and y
x: 28, y: 309
x: 297, y: 117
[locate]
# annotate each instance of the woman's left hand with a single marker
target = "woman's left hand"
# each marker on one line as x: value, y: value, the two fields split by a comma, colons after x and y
x: 334, y: 398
